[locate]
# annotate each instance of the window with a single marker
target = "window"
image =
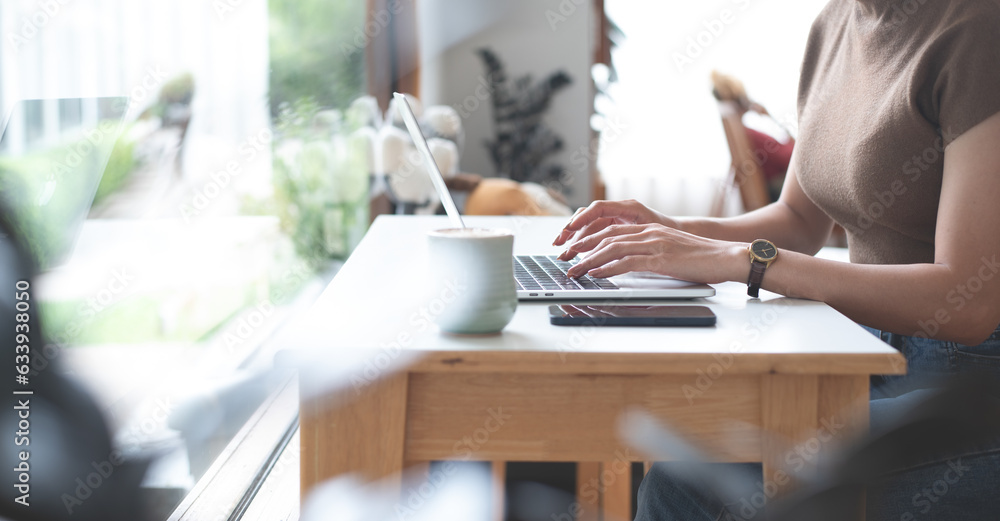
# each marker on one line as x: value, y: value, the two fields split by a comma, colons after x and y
x: 212, y: 220
x: 70, y: 116
x: 760, y: 44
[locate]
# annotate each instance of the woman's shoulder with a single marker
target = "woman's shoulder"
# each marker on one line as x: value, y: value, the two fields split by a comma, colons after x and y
x: 960, y: 65
x: 911, y: 16
x: 981, y: 16
x: 954, y: 32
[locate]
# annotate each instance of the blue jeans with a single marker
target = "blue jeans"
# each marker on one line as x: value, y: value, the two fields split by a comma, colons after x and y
x: 953, y: 487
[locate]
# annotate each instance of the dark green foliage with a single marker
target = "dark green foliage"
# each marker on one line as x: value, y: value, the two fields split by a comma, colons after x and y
x: 523, y: 142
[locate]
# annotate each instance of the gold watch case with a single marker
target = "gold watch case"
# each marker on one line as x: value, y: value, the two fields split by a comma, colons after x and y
x: 763, y: 250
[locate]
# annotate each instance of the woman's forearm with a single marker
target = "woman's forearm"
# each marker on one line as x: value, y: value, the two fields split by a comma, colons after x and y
x: 932, y: 300
x: 776, y: 222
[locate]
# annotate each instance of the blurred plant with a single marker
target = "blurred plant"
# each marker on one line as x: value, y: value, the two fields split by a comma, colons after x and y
x: 45, y: 215
x: 523, y: 142
x: 179, y: 90
x: 121, y: 164
x: 321, y: 182
x: 313, y: 52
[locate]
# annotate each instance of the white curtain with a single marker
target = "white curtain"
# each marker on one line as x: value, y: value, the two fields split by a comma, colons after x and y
x: 670, y: 151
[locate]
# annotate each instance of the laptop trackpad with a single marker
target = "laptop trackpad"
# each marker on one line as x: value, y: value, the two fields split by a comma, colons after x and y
x: 650, y: 280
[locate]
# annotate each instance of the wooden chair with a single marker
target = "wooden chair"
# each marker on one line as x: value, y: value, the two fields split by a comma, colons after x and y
x: 744, y: 171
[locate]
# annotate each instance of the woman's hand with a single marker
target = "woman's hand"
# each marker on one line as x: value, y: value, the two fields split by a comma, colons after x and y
x: 621, y: 248
x: 601, y: 214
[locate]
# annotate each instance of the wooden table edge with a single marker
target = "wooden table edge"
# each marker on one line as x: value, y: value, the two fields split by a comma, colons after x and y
x: 657, y: 363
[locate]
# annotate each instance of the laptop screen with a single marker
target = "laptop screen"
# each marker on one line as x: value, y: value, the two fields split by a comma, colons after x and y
x: 52, y: 156
x: 432, y: 169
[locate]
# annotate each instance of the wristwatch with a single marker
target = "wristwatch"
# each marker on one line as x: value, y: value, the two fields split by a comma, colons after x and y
x: 762, y: 254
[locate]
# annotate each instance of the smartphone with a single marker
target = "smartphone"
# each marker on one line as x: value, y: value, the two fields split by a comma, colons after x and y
x: 601, y: 315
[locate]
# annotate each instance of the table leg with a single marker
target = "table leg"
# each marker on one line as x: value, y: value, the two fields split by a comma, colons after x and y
x: 498, y: 469
x: 588, y: 495
x: 844, y: 408
x: 843, y: 405
x: 788, y: 416
x: 617, y: 490
x: 805, y: 417
x: 354, y: 433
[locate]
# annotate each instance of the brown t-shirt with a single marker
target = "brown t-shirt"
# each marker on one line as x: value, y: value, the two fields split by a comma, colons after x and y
x: 886, y: 85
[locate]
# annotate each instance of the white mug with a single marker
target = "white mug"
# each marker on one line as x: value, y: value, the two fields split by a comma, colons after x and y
x: 472, y: 277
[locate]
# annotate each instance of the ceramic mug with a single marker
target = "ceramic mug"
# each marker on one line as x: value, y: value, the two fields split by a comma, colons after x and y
x: 472, y: 279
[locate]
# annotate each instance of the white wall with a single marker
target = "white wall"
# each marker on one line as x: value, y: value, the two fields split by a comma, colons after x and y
x: 528, y: 39
x: 62, y: 48
x: 672, y: 152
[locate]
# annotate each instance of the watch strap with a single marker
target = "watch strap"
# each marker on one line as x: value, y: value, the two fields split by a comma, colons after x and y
x: 756, y: 276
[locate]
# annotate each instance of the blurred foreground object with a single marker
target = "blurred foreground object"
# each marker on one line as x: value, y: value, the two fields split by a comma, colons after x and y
x: 59, y: 446
x: 946, y: 420
x: 449, y: 491
x: 760, y: 157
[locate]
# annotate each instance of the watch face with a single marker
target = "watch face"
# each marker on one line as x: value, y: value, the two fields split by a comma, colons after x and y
x: 764, y: 250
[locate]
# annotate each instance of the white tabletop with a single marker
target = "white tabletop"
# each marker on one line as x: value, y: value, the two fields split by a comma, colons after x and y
x: 374, y: 305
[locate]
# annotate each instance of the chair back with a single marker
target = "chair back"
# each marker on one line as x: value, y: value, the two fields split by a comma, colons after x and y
x: 744, y: 171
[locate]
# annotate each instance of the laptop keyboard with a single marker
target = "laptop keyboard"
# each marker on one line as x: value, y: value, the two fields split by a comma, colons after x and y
x: 547, y: 272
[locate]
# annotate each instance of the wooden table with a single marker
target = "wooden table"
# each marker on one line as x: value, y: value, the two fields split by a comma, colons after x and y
x: 381, y: 390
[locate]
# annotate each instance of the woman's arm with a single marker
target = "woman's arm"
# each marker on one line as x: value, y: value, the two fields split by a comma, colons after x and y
x: 794, y: 222
x: 956, y: 298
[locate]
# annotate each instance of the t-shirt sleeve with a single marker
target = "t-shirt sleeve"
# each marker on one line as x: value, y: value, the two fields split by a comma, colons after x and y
x: 967, y: 89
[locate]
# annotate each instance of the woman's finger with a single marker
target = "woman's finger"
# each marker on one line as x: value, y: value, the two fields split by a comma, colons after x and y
x: 597, y: 210
x: 594, y: 228
x: 615, y: 249
x: 621, y: 266
x: 592, y: 241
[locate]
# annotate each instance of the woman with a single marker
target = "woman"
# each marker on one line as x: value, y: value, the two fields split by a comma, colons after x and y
x: 899, y: 142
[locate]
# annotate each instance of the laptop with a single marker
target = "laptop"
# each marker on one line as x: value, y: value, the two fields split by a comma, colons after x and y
x: 50, y: 169
x: 543, y: 277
